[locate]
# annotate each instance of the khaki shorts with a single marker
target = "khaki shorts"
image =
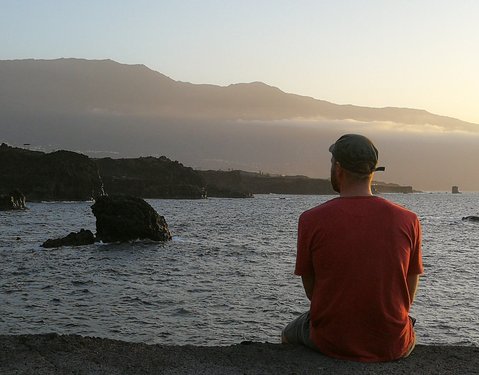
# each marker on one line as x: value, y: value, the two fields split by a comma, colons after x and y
x: 298, y: 332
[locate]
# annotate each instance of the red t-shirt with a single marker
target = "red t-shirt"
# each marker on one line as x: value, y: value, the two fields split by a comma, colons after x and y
x: 360, y: 251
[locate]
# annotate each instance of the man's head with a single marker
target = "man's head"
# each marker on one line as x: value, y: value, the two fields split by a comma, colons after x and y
x: 356, y: 155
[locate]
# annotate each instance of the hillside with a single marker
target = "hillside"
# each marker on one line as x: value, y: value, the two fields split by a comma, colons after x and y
x: 60, y: 175
x: 77, y: 86
x: 102, y: 108
x: 258, y: 183
x: 150, y: 178
x: 70, y: 176
x: 66, y: 175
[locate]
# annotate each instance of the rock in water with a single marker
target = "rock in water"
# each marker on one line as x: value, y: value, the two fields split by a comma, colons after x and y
x: 471, y: 218
x: 13, y: 201
x: 125, y: 218
x: 83, y: 237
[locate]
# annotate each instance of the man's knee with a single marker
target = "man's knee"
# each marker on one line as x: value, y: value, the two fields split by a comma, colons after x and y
x: 297, y: 331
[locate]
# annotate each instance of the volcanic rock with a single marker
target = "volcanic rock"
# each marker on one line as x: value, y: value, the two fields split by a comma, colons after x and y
x: 83, y: 237
x: 59, y: 175
x: 121, y: 218
x: 13, y: 201
x: 150, y: 177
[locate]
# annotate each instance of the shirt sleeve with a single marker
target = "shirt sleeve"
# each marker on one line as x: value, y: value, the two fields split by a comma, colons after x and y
x: 415, y: 262
x: 304, y: 264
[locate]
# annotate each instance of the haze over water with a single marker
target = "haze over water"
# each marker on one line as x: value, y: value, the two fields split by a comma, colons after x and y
x: 226, y: 277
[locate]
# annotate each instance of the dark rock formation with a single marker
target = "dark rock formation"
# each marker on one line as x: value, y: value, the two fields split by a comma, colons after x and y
x: 471, y: 218
x: 125, y: 218
x: 248, y: 183
x: 382, y: 187
x: 13, y: 201
x: 60, y: 175
x: 83, y: 237
x: 65, y: 175
x: 223, y: 192
x: 150, y: 177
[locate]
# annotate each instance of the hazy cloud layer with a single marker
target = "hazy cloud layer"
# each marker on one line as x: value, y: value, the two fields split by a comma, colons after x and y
x: 428, y: 160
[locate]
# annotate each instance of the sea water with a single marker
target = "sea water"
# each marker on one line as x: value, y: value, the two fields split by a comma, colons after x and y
x: 227, y: 275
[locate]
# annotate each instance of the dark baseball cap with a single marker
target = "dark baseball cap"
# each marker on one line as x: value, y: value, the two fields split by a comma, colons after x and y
x: 356, y: 153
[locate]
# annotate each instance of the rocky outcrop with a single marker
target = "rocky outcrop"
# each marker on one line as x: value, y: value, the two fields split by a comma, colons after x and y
x: 247, y: 183
x: 381, y: 188
x: 65, y: 175
x: 224, y: 192
x: 150, y: 177
x: 83, y: 237
x: 243, y: 184
x: 13, y: 201
x: 472, y: 218
x: 125, y: 218
x: 118, y: 219
x: 60, y: 175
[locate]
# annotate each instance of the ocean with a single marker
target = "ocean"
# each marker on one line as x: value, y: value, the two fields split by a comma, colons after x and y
x: 226, y: 277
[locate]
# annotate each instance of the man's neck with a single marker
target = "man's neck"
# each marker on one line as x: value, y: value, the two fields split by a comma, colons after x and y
x: 356, y: 190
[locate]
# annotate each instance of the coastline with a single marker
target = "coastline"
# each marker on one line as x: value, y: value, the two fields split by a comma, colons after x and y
x: 61, y: 354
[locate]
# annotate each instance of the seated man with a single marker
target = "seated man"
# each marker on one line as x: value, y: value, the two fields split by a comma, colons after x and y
x: 359, y: 257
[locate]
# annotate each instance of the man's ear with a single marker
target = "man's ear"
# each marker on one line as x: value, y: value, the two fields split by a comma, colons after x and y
x: 339, y: 169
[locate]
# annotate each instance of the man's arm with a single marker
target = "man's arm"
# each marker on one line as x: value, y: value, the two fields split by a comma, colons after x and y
x: 412, y: 282
x: 308, y: 284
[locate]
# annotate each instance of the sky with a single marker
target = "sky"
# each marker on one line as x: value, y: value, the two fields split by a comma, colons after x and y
x: 416, y: 54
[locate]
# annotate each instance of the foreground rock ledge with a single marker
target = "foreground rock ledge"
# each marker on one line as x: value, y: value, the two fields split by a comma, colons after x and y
x: 71, y: 354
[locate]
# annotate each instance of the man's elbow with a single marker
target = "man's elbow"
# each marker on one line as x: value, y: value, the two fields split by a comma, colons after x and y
x: 412, y: 284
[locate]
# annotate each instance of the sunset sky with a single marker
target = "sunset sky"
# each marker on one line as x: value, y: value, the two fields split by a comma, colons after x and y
x: 418, y: 54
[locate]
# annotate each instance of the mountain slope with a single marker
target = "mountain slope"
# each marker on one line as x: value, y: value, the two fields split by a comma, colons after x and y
x: 106, y: 109
x: 78, y: 86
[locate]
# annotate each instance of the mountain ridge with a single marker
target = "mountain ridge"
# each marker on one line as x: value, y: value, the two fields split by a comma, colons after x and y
x: 103, y: 108
x: 138, y: 90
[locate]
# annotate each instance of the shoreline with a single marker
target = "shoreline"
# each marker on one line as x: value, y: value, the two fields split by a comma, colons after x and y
x: 53, y: 353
